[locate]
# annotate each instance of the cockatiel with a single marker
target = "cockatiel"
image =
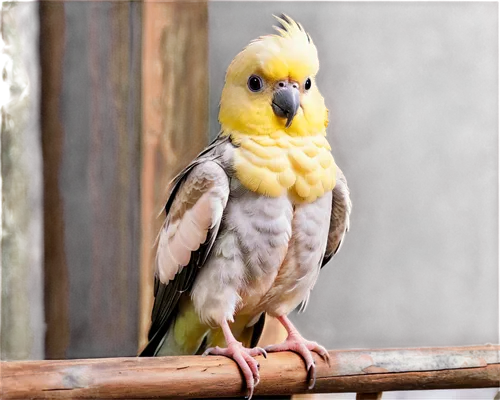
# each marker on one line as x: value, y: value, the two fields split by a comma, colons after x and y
x: 253, y: 219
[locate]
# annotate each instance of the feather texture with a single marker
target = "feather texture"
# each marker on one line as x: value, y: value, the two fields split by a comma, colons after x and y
x: 203, y: 179
x: 251, y: 221
x: 339, y: 219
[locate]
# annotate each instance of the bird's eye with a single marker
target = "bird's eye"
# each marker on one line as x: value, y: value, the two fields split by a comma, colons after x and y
x: 255, y: 83
x: 308, y: 84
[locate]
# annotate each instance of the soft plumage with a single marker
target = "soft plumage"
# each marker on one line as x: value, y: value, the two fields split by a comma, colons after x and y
x: 290, y: 55
x: 278, y: 164
x: 251, y: 221
x: 271, y: 158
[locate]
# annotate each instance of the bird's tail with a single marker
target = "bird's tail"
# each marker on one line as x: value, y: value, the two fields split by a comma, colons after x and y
x: 181, y: 334
x: 185, y: 335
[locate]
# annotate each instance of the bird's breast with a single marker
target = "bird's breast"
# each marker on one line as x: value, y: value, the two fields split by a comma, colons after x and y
x: 301, y: 167
x: 263, y: 228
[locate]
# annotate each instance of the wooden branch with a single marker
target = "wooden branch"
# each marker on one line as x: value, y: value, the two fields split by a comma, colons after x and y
x: 369, y: 396
x: 364, y: 371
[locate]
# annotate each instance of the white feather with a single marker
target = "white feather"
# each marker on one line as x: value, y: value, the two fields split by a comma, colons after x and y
x: 180, y: 238
x: 190, y: 232
x: 165, y: 264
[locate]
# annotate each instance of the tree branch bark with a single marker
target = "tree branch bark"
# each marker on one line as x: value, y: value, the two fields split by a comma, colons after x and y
x: 363, y: 371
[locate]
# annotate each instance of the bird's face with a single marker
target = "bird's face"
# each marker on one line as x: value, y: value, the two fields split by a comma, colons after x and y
x: 270, y: 86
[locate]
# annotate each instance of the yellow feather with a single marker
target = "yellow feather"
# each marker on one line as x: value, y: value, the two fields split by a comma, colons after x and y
x: 287, y: 178
x: 264, y: 140
x: 301, y: 161
x: 290, y: 55
x: 317, y: 189
x: 302, y: 188
x: 189, y: 332
x: 276, y: 164
x: 321, y: 142
x: 313, y: 177
x: 269, y: 185
x: 325, y: 159
x: 239, y: 328
x: 257, y: 179
x: 272, y: 159
x: 290, y: 169
x: 258, y: 149
x: 311, y: 151
x: 283, y: 143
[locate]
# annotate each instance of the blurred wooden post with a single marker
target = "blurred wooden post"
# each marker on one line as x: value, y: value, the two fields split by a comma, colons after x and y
x: 91, y: 112
x: 55, y: 272
x: 175, y: 116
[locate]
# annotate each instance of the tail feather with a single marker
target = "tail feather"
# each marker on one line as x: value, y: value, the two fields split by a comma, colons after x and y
x: 154, y: 344
x: 199, y: 338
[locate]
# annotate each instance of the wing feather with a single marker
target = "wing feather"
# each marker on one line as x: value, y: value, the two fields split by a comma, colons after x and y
x: 194, y: 212
x: 339, y: 218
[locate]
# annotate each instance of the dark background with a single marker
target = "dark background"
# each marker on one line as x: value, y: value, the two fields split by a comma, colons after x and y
x: 412, y: 90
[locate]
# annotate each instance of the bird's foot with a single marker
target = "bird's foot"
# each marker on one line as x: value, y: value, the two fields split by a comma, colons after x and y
x: 244, y: 358
x: 296, y: 343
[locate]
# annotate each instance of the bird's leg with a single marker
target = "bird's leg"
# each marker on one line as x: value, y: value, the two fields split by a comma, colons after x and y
x: 296, y: 343
x: 241, y: 355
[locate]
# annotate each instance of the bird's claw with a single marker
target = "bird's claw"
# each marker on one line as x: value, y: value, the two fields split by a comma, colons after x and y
x: 244, y: 358
x: 303, y: 347
x: 311, y: 375
x: 261, y: 351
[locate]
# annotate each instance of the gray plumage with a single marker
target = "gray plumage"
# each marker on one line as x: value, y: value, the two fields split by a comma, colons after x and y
x: 232, y: 252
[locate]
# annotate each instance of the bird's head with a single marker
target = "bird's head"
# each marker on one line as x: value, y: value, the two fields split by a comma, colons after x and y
x: 270, y: 86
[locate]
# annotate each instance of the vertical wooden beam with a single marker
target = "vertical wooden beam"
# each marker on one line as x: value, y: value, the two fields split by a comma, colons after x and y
x: 91, y: 136
x: 48, y: 278
x: 52, y: 34
x: 113, y: 174
x: 175, y: 115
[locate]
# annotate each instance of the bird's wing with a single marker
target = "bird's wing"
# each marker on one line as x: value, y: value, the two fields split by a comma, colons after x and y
x: 339, y: 219
x: 193, y: 216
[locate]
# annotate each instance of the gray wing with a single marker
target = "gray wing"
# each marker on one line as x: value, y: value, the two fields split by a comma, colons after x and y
x: 339, y: 219
x: 193, y: 215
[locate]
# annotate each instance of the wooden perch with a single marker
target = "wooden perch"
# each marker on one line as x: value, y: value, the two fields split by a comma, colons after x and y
x: 363, y: 371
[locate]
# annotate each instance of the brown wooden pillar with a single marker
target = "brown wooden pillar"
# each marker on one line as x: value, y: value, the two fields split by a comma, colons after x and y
x: 91, y: 124
x: 175, y: 115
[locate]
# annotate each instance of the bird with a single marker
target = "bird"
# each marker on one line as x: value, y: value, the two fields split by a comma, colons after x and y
x: 252, y: 220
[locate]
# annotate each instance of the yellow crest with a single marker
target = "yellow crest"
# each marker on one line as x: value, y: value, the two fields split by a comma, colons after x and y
x: 278, y: 154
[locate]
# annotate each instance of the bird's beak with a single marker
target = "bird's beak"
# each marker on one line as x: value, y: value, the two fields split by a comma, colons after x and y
x: 286, y: 102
